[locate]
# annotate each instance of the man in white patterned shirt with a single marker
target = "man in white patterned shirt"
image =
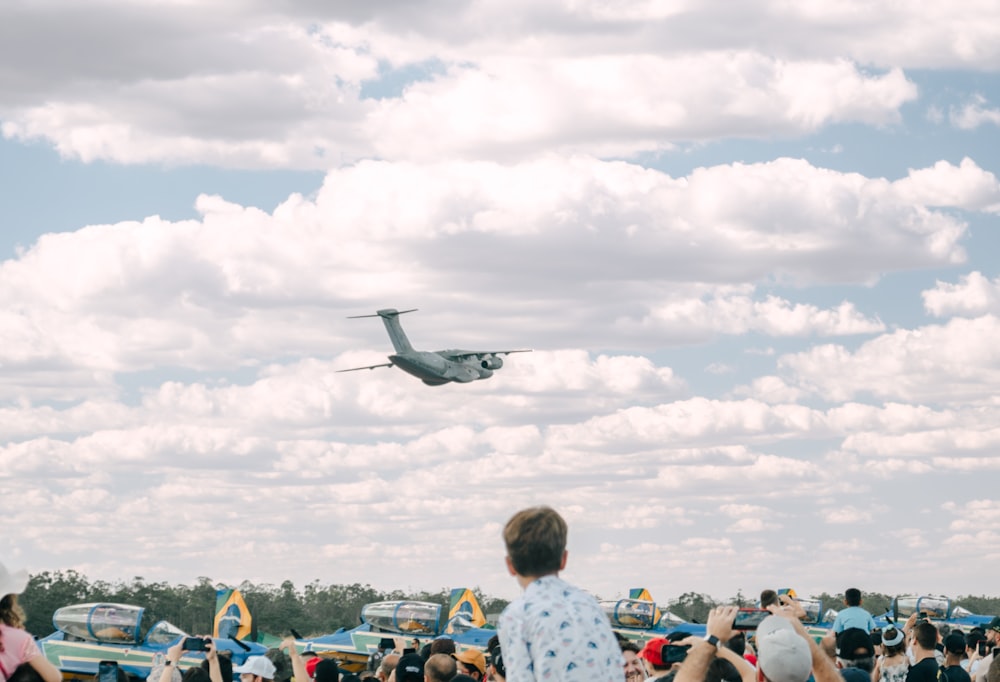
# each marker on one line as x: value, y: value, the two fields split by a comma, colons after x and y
x: 554, y: 632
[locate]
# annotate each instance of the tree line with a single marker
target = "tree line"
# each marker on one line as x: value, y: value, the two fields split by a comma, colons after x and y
x: 319, y: 609
x: 314, y: 610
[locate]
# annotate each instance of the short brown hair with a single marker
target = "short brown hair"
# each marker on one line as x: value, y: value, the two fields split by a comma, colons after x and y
x: 536, y: 541
x: 926, y: 635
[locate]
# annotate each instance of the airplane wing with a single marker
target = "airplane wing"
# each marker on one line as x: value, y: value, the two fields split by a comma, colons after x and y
x: 355, y: 369
x: 465, y: 354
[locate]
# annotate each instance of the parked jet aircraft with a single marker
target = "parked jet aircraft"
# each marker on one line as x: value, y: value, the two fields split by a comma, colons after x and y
x: 434, y: 367
x: 415, y: 621
x: 87, y: 634
x: 639, y: 619
x: 937, y: 608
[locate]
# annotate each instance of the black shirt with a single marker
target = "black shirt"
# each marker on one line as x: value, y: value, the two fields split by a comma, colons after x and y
x: 955, y: 673
x: 924, y: 671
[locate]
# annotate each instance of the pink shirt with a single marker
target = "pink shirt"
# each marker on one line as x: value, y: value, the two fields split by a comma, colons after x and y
x: 18, y: 647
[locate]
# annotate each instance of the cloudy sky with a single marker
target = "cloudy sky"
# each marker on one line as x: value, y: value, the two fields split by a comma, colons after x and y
x: 752, y: 245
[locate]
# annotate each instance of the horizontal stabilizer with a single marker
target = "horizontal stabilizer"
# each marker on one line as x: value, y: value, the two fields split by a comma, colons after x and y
x: 385, y: 312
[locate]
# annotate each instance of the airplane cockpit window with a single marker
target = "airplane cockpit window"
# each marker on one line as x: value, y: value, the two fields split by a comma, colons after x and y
x: 112, y: 623
x: 405, y: 617
x: 164, y: 633
x: 631, y: 613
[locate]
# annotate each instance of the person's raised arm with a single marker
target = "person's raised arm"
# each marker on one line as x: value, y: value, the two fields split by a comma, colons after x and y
x: 298, y: 665
x: 702, y: 651
x: 212, y: 656
x: 174, y: 654
x: 793, y: 603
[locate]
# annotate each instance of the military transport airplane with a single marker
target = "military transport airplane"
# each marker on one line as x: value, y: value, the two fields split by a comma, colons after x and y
x: 434, y: 367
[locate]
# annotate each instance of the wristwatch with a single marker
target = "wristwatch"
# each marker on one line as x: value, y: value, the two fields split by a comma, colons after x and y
x: 712, y: 639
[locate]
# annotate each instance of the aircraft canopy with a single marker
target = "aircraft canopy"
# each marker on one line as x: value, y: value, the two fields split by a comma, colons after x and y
x: 404, y: 617
x: 106, y: 623
x: 934, y: 607
x: 813, y: 609
x: 630, y: 613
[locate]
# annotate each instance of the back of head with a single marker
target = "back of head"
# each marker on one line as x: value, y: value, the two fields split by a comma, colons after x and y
x: 327, y: 671
x: 282, y: 664
x: 768, y: 598
x: 973, y: 639
x: 536, y: 541
x: 500, y: 668
x: 926, y: 635
x: 737, y: 644
x: 25, y: 673
x: 782, y: 655
x: 410, y: 668
x: 440, y: 668
x: 893, y: 640
x: 954, y: 643
x: 855, y: 644
x: 721, y: 670
x: 11, y: 613
x: 388, y: 665
x: 196, y: 674
x: 852, y: 596
x: 442, y: 645
x: 225, y: 665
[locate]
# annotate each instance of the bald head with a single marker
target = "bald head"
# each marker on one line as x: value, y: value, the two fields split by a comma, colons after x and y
x: 440, y: 668
x: 387, y: 667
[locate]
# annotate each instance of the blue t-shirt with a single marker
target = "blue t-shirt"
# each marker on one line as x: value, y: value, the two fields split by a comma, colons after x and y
x: 853, y: 617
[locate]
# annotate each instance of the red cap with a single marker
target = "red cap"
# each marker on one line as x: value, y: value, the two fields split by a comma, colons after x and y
x: 652, y: 652
x: 311, y: 665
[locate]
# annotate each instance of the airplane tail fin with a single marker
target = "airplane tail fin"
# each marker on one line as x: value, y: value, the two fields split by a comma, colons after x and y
x: 390, y: 318
x: 464, y: 609
x: 232, y: 617
x: 642, y: 594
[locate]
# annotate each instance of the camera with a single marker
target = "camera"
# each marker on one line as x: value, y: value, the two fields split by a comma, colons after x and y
x: 195, y: 644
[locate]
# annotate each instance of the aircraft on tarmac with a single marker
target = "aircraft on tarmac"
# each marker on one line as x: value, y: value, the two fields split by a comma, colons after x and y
x: 936, y: 608
x: 434, y: 367
x: 88, y: 634
x: 418, y: 623
x: 639, y: 619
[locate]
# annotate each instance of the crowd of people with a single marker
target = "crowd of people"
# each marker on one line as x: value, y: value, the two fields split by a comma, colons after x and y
x: 556, y: 632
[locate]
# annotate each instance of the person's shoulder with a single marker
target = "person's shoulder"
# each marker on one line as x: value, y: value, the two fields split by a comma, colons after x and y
x: 955, y: 673
x: 13, y: 634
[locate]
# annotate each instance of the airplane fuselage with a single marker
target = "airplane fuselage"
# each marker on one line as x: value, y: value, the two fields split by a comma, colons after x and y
x: 434, y: 369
